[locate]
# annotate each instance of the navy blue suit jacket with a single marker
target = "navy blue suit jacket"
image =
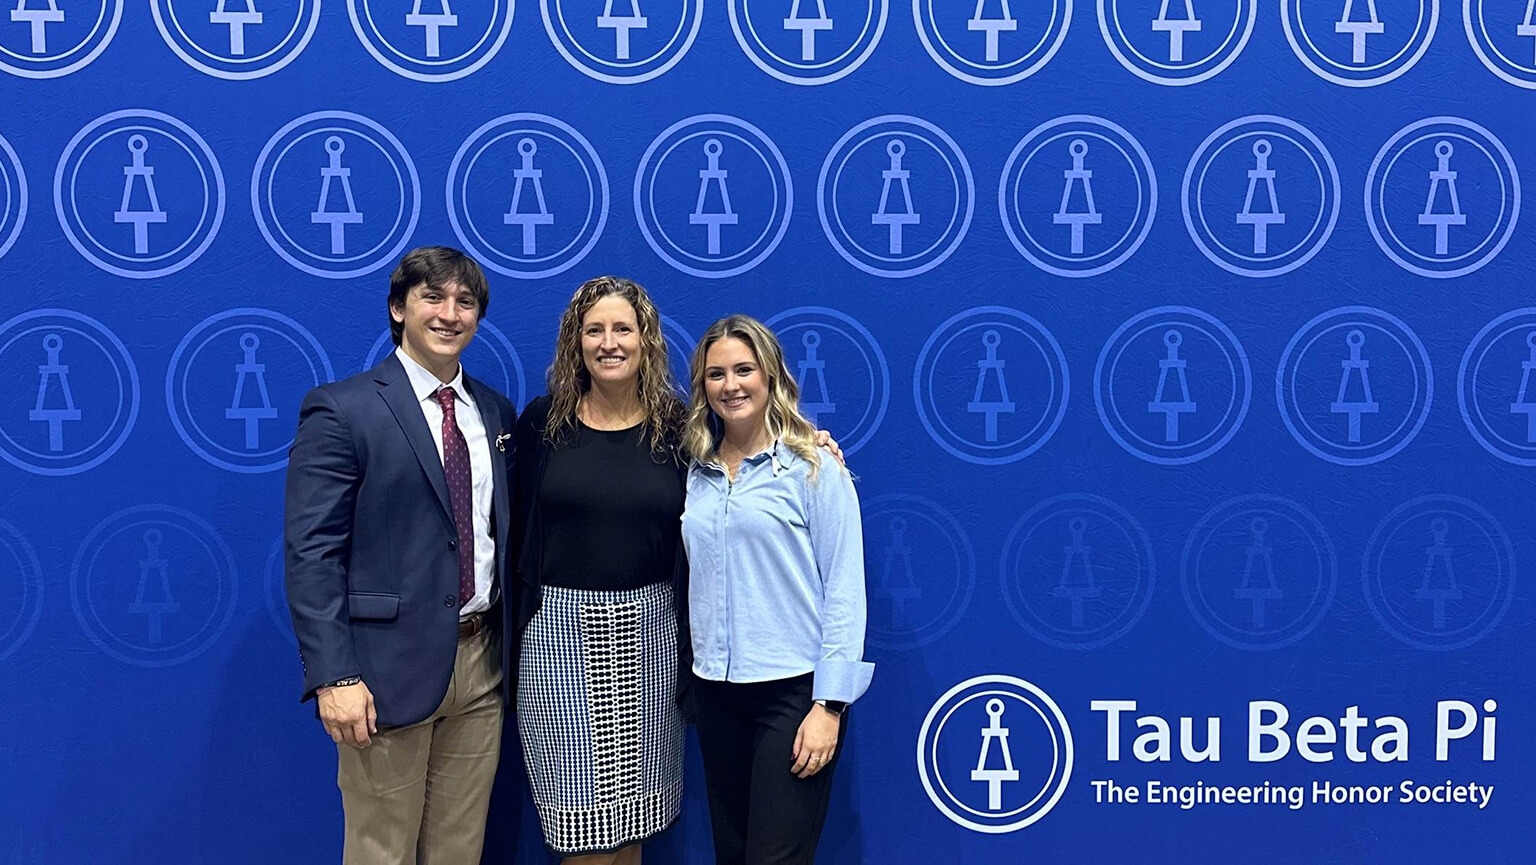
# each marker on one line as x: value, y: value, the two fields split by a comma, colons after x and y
x: 372, y: 564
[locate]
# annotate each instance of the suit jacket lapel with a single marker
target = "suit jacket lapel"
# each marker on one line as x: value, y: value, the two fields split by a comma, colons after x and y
x: 402, y: 401
x: 490, y: 416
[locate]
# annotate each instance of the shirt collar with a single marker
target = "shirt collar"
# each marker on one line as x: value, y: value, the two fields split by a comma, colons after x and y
x: 777, y: 453
x: 425, y: 385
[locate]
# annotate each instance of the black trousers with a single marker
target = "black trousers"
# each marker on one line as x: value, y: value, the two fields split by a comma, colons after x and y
x: 760, y: 812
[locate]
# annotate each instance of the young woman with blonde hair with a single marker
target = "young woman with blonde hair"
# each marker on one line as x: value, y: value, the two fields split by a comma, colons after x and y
x: 776, y: 602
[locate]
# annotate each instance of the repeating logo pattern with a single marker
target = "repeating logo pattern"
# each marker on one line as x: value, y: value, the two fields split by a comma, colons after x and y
x: 1172, y: 385
x: 51, y: 38
x: 805, y: 44
x: 1077, y: 196
x: 992, y: 42
x: 1261, y: 196
x: 921, y: 570
x: 1442, y: 197
x: 1177, y: 44
x: 85, y: 400
x: 527, y: 195
x: 845, y: 382
x: 139, y: 194
x: 1496, y: 387
x: 1358, y: 44
x: 432, y: 40
x: 277, y: 591
x: 237, y: 40
x: 1259, y: 572
x: 335, y: 194
x: 895, y: 196
x: 154, y: 586
x: 1439, y: 572
x: 1503, y: 35
x: 1354, y: 385
x: 991, y: 385
x: 995, y: 754
x: 713, y: 196
x: 618, y: 42
x: 235, y: 384
x: 13, y: 196
x: 680, y: 345
x: 1078, y: 571
x: 21, y: 589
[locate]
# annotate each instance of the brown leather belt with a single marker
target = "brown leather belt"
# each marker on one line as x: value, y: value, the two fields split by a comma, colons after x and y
x: 472, y: 625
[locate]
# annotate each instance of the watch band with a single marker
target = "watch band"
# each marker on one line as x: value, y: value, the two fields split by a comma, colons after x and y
x: 836, y: 707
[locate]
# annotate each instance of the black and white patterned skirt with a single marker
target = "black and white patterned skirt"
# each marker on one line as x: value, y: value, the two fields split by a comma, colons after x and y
x: 597, y: 712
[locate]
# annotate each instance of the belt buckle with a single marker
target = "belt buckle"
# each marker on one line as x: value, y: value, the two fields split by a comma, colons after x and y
x: 471, y: 625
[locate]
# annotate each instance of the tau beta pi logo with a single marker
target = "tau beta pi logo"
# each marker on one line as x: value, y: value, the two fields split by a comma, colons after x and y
x: 995, y: 754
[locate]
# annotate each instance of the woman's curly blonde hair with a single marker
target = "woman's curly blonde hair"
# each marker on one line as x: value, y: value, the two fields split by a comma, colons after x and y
x: 568, y: 378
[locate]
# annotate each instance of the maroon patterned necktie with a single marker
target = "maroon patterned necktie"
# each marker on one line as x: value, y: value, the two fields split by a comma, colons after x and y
x: 456, y: 471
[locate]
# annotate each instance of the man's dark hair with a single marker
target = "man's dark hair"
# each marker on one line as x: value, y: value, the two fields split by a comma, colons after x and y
x: 435, y: 267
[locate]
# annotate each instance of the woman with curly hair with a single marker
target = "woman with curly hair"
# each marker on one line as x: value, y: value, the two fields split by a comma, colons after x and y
x: 776, y: 601
x: 598, y: 488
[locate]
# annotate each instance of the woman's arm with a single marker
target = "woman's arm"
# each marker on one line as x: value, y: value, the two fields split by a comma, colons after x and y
x: 837, y: 541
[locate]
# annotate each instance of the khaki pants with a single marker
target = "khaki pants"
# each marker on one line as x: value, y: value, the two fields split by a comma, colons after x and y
x: 418, y: 795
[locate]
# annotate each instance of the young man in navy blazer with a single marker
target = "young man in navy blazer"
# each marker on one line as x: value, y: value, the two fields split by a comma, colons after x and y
x: 397, y: 516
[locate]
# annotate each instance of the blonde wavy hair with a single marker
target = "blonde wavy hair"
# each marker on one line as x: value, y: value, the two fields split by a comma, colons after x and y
x: 568, y: 379
x: 703, y: 430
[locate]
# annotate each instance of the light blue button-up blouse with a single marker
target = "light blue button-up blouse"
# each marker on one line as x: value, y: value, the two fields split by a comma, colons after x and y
x: 776, y: 574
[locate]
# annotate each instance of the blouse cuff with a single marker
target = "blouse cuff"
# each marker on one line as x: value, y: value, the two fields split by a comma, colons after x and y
x: 843, y: 681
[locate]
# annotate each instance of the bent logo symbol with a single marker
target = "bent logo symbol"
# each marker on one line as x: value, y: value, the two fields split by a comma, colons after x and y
x: 1355, y: 385
x: 991, y: 385
x: 236, y: 40
x: 805, y: 44
x: 1261, y: 196
x: 1078, y: 571
x: 922, y: 571
x: 527, y: 195
x: 235, y: 384
x: 1359, y: 43
x: 139, y: 194
x: 713, y: 196
x: 13, y: 197
x: 995, y: 754
x: 1503, y: 34
x: 1177, y: 42
x: 432, y: 40
x: 1496, y: 387
x: 1442, y: 197
x: 895, y: 196
x: 992, y: 42
x: 1077, y: 196
x: 335, y: 194
x: 154, y: 585
x: 86, y: 395
x: 50, y: 38
x: 622, y: 41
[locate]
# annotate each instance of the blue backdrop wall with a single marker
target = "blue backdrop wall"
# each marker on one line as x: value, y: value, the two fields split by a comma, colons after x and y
x: 1184, y: 350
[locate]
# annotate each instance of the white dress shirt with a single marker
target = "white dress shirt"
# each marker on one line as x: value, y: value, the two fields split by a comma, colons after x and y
x: 425, y: 385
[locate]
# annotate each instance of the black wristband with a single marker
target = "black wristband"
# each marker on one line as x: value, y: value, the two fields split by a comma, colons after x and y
x: 342, y: 683
x: 836, y: 707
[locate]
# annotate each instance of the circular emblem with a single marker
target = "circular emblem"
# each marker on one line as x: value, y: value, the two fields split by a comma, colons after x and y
x: 995, y: 754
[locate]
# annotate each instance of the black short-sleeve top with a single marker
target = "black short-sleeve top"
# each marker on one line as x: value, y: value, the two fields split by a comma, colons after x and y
x: 608, y: 511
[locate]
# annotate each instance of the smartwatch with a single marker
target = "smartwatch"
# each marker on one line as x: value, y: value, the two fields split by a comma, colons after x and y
x: 836, y: 707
